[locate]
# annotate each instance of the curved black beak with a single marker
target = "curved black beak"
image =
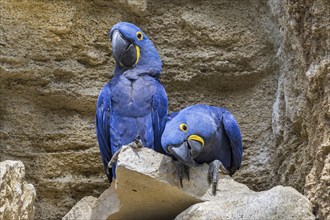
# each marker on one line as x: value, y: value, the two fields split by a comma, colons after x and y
x: 124, y: 52
x: 195, y: 148
x: 186, y: 152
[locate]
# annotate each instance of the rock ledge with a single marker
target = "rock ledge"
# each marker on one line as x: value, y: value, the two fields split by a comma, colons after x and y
x: 147, y: 188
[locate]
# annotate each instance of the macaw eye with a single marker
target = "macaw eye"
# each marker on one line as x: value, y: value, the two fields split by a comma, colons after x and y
x: 139, y: 35
x: 184, y: 127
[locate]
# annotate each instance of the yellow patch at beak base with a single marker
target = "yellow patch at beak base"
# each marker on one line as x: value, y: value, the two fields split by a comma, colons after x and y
x: 137, y: 54
x: 196, y: 138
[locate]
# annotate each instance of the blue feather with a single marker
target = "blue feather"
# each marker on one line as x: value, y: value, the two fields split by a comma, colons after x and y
x: 133, y: 105
x: 103, y: 126
x: 216, y: 126
x: 233, y: 132
x: 159, y: 115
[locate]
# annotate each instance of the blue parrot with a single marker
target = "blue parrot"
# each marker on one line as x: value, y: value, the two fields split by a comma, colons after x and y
x: 133, y: 105
x: 204, y: 134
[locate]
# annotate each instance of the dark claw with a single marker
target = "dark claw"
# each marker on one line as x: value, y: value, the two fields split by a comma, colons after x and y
x: 214, y: 174
x: 114, y: 159
x: 211, y: 168
x: 179, y: 168
x: 182, y: 169
x: 223, y: 169
x: 186, y: 171
x: 136, y: 143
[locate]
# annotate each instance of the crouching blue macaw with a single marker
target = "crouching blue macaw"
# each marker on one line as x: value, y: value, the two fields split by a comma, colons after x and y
x: 204, y: 134
x: 133, y: 105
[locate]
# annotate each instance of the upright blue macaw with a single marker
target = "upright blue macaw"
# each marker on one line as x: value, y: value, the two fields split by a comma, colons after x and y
x: 204, y: 134
x: 133, y: 105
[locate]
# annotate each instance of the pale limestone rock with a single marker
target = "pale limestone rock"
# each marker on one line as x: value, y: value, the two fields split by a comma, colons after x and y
x: 107, y: 204
x: 16, y: 196
x: 301, y: 125
x: 236, y: 201
x: 161, y: 168
x: 147, y: 188
x: 317, y: 181
x: 82, y: 210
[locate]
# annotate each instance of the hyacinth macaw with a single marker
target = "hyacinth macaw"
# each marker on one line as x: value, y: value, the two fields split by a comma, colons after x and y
x: 133, y: 105
x: 204, y: 134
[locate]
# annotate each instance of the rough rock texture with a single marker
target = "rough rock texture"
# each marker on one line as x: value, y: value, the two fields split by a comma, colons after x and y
x: 266, y: 61
x: 16, y: 196
x: 277, y: 203
x: 147, y: 187
x: 301, y: 111
x: 147, y: 182
x: 82, y: 210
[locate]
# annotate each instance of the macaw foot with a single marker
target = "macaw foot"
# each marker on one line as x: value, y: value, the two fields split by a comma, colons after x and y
x: 114, y: 159
x: 214, y: 174
x: 182, y: 170
x: 135, y: 144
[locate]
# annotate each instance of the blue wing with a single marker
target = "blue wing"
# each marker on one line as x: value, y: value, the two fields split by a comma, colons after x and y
x: 103, y: 110
x: 159, y: 115
x: 233, y: 132
x: 171, y: 115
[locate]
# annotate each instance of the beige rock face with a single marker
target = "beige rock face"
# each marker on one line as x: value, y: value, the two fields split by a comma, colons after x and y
x: 266, y: 61
x: 16, y: 196
x: 277, y: 203
x: 301, y: 109
x: 82, y: 210
x: 147, y: 188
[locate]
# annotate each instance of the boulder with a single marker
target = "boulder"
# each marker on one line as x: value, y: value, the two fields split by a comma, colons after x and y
x: 236, y: 201
x: 16, y: 196
x: 82, y: 210
x: 147, y: 187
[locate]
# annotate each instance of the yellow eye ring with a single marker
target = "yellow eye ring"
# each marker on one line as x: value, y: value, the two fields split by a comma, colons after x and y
x: 139, y: 35
x: 183, y: 127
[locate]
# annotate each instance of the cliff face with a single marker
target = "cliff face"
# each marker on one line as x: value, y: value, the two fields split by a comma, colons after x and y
x: 301, y: 110
x: 267, y: 62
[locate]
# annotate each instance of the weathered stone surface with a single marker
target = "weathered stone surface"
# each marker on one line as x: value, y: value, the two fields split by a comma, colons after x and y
x: 301, y: 109
x: 317, y: 186
x: 16, y: 196
x: 82, y: 210
x: 264, y: 60
x: 241, y: 203
x: 147, y: 188
x: 106, y: 205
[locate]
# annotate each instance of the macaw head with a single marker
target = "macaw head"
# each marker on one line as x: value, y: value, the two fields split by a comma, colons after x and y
x: 132, y: 48
x: 187, y: 133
